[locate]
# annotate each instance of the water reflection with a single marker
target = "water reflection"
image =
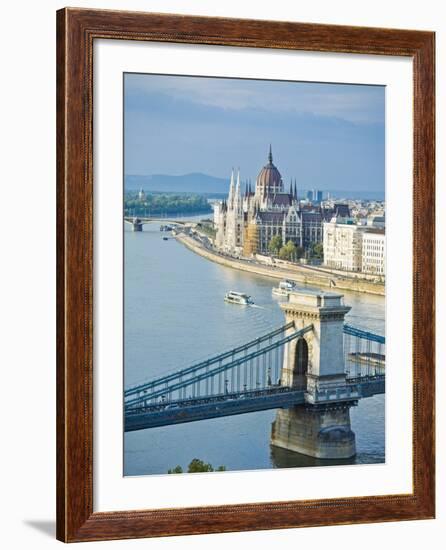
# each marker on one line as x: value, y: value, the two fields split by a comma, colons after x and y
x: 282, y: 458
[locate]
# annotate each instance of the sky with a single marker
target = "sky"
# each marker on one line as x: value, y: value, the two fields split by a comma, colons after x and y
x: 326, y: 136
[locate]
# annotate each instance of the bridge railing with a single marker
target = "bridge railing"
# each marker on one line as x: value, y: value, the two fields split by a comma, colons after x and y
x: 363, y: 334
x: 255, y: 370
x: 364, y: 353
x: 166, y: 379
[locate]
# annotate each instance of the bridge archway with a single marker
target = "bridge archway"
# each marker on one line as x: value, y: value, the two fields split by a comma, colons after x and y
x: 300, y: 363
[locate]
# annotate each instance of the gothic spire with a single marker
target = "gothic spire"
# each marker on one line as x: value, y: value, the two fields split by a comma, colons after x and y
x: 231, y: 189
x: 270, y: 155
x: 237, y: 194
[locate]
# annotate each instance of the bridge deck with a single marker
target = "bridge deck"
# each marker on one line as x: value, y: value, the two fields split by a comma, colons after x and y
x: 215, y: 406
x: 211, y: 407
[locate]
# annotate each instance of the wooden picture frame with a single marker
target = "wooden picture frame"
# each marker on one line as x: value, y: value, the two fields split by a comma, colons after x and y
x: 77, y: 29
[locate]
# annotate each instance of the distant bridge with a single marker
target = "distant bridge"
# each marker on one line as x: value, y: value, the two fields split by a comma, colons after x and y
x: 137, y: 222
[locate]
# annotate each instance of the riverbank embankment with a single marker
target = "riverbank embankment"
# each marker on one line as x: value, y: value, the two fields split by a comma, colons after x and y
x: 299, y: 274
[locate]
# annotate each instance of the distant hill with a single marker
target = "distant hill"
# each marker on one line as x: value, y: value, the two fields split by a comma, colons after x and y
x: 187, y: 183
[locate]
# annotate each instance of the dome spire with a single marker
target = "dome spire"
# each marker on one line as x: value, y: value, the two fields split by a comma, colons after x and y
x: 270, y: 155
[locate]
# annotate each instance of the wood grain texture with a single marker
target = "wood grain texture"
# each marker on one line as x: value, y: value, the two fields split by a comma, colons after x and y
x: 76, y: 31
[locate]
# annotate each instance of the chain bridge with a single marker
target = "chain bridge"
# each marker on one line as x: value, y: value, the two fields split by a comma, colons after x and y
x: 312, y: 369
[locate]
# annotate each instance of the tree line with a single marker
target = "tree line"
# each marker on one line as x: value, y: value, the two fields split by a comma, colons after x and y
x: 289, y: 251
x: 164, y: 203
x: 196, y: 465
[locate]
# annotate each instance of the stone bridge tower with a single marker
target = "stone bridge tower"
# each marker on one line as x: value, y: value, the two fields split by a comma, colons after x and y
x: 315, y: 363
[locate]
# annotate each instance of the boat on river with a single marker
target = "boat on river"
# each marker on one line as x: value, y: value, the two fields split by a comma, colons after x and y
x: 284, y: 288
x: 240, y: 298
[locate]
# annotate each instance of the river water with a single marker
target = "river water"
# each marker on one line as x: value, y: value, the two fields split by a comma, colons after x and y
x: 174, y: 316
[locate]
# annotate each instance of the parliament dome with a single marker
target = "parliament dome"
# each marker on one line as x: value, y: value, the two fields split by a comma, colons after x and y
x: 269, y: 178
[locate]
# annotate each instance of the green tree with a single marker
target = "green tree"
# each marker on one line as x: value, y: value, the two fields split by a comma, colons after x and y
x: 176, y: 470
x: 198, y: 465
x: 288, y: 252
x: 275, y: 244
x: 317, y: 251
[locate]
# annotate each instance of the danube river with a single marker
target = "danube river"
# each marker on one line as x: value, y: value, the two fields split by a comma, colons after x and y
x: 174, y: 316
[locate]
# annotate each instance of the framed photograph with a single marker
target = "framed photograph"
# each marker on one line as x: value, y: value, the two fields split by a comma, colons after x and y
x: 245, y: 224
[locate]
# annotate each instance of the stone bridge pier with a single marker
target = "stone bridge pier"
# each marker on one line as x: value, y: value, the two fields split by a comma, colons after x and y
x: 321, y: 427
x: 136, y: 224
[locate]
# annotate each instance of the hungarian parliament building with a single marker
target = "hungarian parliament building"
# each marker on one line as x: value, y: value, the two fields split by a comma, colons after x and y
x: 247, y: 221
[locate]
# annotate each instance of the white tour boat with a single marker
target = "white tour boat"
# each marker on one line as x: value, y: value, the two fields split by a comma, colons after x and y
x: 240, y: 298
x: 284, y: 288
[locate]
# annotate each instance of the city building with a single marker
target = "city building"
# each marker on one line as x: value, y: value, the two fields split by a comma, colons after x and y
x: 246, y: 222
x: 343, y: 244
x: 353, y: 247
x: 317, y: 195
x: 376, y: 221
x: 374, y: 252
x: 314, y: 195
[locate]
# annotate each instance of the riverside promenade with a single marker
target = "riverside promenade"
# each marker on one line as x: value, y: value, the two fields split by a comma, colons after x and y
x: 300, y: 274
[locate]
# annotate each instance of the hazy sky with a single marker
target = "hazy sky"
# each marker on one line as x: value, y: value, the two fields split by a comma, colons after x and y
x: 327, y: 136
